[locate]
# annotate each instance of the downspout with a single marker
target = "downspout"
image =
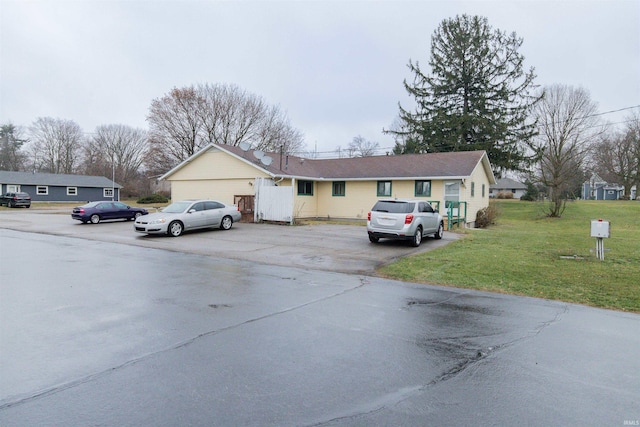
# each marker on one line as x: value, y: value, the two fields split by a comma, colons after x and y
x: 293, y: 197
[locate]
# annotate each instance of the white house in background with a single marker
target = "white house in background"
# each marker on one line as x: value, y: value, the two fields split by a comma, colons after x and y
x: 509, y: 186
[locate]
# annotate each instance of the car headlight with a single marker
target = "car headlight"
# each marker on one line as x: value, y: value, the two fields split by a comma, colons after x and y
x: 158, y: 221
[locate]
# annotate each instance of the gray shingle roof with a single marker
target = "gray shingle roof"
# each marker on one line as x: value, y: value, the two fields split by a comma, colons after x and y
x: 53, y: 179
x: 508, y: 184
x: 440, y: 165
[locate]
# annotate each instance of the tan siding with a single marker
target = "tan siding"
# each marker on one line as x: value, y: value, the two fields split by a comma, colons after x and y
x: 358, y: 199
x: 223, y: 191
x: 305, y: 206
x: 216, y: 164
x: 214, y: 175
x: 477, y: 202
x: 360, y: 196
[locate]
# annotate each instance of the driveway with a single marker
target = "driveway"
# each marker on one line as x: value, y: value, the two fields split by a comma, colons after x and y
x: 330, y: 247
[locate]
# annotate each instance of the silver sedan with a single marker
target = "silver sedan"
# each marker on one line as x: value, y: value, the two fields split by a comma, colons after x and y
x: 185, y: 215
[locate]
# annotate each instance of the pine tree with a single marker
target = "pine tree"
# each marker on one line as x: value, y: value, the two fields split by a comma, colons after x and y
x: 477, y: 97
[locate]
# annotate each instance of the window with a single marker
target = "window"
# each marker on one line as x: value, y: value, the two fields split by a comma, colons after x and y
x: 384, y: 188
x: 305, y: 188
x: 393, y: 206
x: 425, y: 207
x: 338, y: 188
x: 212, y: 205
x: 42, y: 190
x: 473, y: 189
x: 423, y: 188
x: 72, y: 191
x: 451, y: 193
x: 107, y: 192
x: 197, y: 207
x: 482, y: 190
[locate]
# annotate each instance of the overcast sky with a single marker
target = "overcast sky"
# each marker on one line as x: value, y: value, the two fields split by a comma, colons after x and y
x: 335, y: 67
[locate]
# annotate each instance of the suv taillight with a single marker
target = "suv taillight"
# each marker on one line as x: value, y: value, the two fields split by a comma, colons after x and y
x: 408, y: 219
x: 369, y: 216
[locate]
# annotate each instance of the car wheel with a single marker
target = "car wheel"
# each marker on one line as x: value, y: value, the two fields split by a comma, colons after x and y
x: 417, y: 237
x: 175, y: 228
x: 28, y: 206
x: 136, y: 216
x: 373, y: 239
x: 440, y: 232
x: 226, y: 223
x: 95, y: 218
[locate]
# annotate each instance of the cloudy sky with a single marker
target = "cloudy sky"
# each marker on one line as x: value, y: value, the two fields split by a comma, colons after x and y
x: 335, y: 67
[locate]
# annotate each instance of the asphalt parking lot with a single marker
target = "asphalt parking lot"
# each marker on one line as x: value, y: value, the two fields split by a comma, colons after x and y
x: 330, y: 247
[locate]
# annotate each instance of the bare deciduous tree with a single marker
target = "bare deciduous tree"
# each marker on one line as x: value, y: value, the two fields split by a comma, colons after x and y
x: 617, y: 156
x: 187, y: 119
x: 568, y: 128
x: 56, y: 145
x: 175, y: 122
x: 117, y: 150
x: 361, y: 147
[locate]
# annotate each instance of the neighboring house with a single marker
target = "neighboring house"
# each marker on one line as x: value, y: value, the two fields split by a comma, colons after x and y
x: 277, y: 187
x: 51, y: 187
x: 598, y: 189
x: 507, y: 185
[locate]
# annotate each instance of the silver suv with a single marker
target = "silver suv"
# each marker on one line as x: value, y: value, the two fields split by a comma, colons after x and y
x: 404, y: 219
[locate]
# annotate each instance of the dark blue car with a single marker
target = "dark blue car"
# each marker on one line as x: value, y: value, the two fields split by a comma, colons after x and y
x: 94, y: 212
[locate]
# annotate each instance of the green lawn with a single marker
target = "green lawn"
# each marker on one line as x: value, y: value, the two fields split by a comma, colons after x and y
x: 522, y: 255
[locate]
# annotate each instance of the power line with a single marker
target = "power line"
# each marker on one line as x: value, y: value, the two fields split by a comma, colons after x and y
x: 614, y: 111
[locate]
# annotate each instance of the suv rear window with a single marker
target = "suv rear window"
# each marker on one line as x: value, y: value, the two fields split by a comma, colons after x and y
x: 393, y: 207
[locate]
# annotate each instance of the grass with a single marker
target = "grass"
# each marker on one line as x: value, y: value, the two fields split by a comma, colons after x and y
x: 522, y: 255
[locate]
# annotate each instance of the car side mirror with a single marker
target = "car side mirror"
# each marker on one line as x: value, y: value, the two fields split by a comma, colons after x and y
x: 436, y: 211
x: 191, y: 211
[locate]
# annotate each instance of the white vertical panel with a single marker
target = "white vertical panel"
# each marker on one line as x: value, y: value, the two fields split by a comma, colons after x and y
x: 273, y: 203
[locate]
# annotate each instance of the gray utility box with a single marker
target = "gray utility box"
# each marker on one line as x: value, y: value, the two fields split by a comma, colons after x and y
x: 600, y: 229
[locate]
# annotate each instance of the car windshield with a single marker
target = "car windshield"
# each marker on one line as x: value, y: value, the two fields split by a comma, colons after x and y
x: 177, y: 207
x: 393, y: 207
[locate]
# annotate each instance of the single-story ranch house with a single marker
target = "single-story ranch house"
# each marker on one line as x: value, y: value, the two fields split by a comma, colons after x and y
x: 280, y: 187
x: 507, y: 186
x: 51, y: 187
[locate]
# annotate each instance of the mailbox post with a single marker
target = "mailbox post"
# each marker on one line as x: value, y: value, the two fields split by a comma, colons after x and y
x: 600, y: 230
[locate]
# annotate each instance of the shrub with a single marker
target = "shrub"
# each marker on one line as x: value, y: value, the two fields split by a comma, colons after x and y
x: 153, y: 198
x: 487, y: 216
x: 505, y: 195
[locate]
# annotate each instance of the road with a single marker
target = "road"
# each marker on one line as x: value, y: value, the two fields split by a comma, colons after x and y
x: 97, y: 332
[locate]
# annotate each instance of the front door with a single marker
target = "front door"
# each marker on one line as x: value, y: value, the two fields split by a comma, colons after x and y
x: 246, y: 206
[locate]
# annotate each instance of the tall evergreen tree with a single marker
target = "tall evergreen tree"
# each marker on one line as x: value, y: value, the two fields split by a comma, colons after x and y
x: 477, y: 97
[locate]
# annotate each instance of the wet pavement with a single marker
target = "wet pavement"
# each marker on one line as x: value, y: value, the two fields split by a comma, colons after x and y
x: 330, y: 247
x: 104, y: 333
x: 115, y: 334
